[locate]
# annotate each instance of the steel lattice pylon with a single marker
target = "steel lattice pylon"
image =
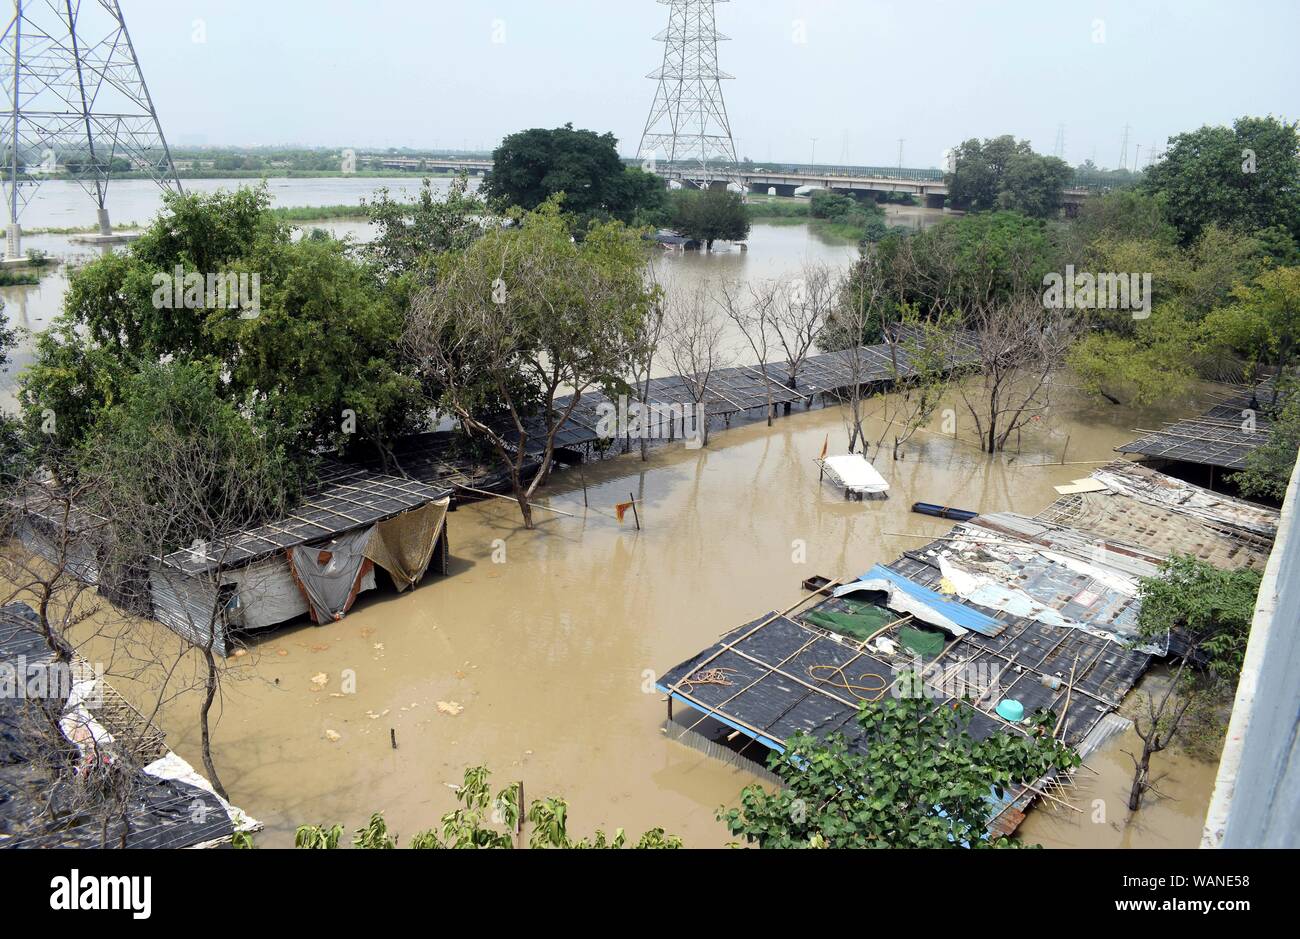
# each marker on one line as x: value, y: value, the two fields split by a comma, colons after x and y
x: 688, y: 131
x: 77, y: 103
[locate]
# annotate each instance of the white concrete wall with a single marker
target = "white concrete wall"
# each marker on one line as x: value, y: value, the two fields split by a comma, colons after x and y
x: 1256, y: 802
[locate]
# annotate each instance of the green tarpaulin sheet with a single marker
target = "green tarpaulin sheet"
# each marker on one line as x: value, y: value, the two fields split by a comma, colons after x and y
x: 859, y: 625
x: 923, y: 642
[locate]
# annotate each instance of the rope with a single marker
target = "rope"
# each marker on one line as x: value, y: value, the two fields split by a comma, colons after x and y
x: 872, y: 694
x: 712, y: 676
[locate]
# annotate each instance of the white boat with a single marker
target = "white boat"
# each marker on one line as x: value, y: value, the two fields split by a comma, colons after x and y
x: 854, y: 473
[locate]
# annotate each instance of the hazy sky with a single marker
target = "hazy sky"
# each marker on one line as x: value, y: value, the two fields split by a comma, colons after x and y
x: 857, y: 74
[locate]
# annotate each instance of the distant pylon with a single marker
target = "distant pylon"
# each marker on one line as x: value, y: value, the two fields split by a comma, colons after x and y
x: 688, y: 130
x: 1059, y: 151
x: 76, y: 103
x: 1123, y: 149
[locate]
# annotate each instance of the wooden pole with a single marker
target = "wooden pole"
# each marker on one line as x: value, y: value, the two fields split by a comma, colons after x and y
x: 519, y: 816
x: 635, y: 514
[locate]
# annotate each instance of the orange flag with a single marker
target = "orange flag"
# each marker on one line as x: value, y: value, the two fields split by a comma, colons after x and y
x: 622, y: 508
x: 825, y: 447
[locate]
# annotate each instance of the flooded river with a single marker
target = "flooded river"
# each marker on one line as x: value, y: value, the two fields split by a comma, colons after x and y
x: 550, y: 640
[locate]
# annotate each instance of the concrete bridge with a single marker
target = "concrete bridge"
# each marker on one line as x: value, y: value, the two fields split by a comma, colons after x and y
x: 927, y: 186
x: 416, y: 164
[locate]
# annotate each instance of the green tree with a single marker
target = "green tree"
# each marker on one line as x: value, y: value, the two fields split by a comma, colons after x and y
x: 409, y: 236
x: 1245, y: 177
x: 1213, y: 606
x: 532, y: 166
x: 1262, y: 321
x: 315, y: 337
x: 1001, y: 173
x: 520, y: 315
x: 923, y: 782
x: 965, y: 262
x: 709, y: 215
x: 1269, y: 466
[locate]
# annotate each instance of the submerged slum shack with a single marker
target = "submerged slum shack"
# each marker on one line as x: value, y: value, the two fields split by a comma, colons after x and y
x: 1207, y: 448
x: 80, y: 767
x: 50, y: 526
x: 314, y: 562
x: 1005, y: 617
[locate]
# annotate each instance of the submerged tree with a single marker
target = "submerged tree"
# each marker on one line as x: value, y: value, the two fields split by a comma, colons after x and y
x: 923, y: 782
x: 694, y: 341
x: 521, y: 316
x: 176, y: 468
x: 1212, y: 610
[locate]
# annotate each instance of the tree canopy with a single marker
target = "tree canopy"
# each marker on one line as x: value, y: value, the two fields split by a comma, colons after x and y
x: 1245, y: 177
x: 532, y: 166
x: 923, y: 782
x: 1001, y: 173
x: 709, y: 215
x: 318, y: 339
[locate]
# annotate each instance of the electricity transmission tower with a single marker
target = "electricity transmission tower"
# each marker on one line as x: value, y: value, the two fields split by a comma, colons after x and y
x: 688, y: 131
x: 76, y: 105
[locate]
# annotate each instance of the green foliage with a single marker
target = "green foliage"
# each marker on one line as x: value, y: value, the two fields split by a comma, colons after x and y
x: 317, y: 837
x: 375, y: 835
x: 173, y: 459
x: 321, y: 340
x: 1262, y: 321
x: 242, y: 841
x: 1269, y: 466
x: 1149, y: 364
x: 967, y: 261
x: 864, y: 220
x: 709, y: 215
x: 1206, y: 177
x: 1001, y: 173
x: 924, y: 782
x: 1215, y: 607
x: 474, y: 824
x: 410, y: 235
x: 533, y: 166
x: 525, y: 311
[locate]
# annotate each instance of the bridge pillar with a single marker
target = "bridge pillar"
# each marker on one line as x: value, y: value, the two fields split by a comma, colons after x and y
x: 934, y: 200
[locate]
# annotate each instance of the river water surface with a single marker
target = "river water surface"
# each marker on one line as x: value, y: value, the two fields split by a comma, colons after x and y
x: 548, y: 642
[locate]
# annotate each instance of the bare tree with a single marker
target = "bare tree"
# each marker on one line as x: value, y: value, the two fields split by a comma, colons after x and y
x: 1017, y: 347
x: 1157, y: 731
x: 751, y: 310
x: 694, y: 347
x: 800, y: 313
x: 645, y: 345
x: 84, y: 779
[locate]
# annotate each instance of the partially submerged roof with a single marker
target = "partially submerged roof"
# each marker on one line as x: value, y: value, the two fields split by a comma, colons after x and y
x: 1224, y: 436
x: 343, y: 504
x: 168, y: 805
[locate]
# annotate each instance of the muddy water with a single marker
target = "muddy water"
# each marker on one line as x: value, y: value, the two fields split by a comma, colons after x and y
x: 1098, y: 816
x: 551, y: 653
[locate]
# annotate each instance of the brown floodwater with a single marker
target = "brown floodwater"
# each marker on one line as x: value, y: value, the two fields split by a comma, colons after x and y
x: 552, y: 653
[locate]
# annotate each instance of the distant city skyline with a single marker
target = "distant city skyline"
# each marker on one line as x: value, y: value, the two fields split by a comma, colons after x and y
x: 855, y: 76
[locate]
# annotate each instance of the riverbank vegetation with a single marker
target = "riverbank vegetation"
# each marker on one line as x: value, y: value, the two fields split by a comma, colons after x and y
x: 484, y: 821
x: 493, y: 308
